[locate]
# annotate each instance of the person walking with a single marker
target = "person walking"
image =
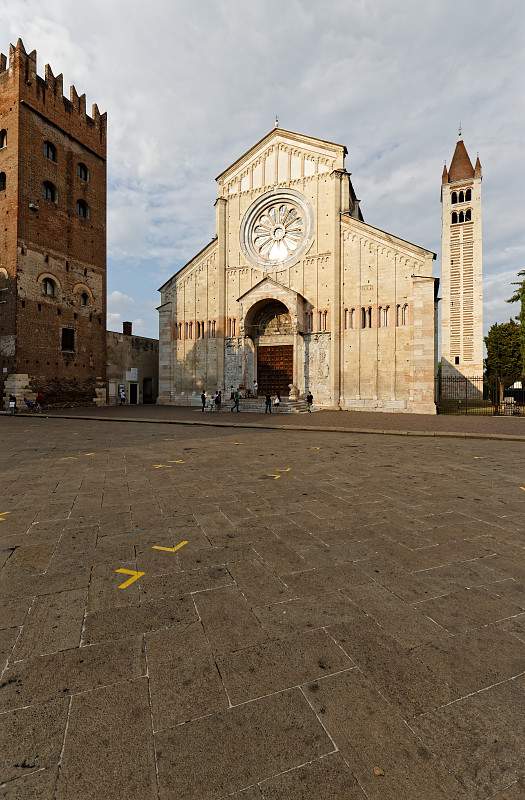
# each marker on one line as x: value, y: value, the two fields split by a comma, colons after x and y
x: 12, y: 404
x: 218, y: 401
x: 255, y: 389
x: 236, y: 401
x: 268, y: 404
x: 203, y: 401
x: 309, y: 401
x: 277, y: 401
x: 122, y: 395
x: 232, y: 393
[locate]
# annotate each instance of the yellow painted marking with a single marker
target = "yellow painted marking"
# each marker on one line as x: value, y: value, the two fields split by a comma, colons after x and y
x: 89, y: 454
x: 522, y: 488
x: 170, y: 549
x: 135, y: 575
x: 69, y: 458
x: 177, y: 461
x: 160, y: 466
x: 238, y: 442
x: 314, y: 448
x: 286, y: 469
x: 4, y: 514
x: 275, y: 477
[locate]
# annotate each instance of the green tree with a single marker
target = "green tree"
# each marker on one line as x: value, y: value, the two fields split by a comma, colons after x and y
x: 519, y: 297
x: 503, y: 362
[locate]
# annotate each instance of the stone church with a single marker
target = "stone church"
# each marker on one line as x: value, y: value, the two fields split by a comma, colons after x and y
x: 297, y: 292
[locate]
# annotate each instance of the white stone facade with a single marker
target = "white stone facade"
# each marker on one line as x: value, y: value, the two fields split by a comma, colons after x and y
x: 297, y: 290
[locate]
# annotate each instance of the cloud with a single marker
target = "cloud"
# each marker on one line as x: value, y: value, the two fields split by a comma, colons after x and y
x: 198, y: 84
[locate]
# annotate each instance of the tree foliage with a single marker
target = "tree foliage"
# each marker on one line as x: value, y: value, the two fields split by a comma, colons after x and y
x: 503, y: 362
x: 519, y: 297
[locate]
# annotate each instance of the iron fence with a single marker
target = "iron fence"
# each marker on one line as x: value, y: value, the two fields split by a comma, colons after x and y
x: 457, y: 394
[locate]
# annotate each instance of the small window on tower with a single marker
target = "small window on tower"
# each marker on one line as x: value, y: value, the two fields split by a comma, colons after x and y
x: 3, y: 182
x: 468, y: 215
x: 456, y: 360
x: 461, y: 217
x: 461, y: 197
x: 50, y: 151
x: 3, y: 138
x: 84, y: 299
x: 49, y: 191
x: 68, y: 340
x: 83, y: 172
x: 454, y: 217
x: 454, y: 197
x: 82, y: 209
x: 49, y: 287
x: 468, y: 195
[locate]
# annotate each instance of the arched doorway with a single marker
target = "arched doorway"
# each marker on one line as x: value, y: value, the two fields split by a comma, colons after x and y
x: 270, y: 326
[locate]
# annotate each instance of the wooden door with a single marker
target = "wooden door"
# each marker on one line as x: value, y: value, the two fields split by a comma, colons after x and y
x: 275, y: 369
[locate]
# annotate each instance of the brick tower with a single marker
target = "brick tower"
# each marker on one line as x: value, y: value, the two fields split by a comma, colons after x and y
x: 461, y: 267
x: 52, y: 236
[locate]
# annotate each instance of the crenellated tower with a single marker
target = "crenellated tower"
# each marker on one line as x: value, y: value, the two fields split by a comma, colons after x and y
x: 461, y: 266
x: 52, y: 235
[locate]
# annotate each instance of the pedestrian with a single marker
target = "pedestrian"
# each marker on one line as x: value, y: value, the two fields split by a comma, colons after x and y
x: 255, y: 389
x: 203, y: 401
x: 122, y: 395
x: 218, y: 401
x: 268, y: 404
x: 236, y: 401
x: 277, y: 401
x: 232, y: 393
x: 309, y: 401
x: 12, y: 404
x: 39, y: 400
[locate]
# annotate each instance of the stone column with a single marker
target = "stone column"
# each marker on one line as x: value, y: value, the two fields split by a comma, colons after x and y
x: 335, y: 342
x: 221, y: 223
x: 421, y: 396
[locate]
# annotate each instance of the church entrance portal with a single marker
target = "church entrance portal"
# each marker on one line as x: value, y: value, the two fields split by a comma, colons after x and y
x: 275, y: 369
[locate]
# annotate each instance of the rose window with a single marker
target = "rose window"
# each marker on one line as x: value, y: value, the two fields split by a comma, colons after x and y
x: 277, y: 228
x: 278, y: 232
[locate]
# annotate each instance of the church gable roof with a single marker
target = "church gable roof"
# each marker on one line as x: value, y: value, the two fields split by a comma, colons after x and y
x: 461, y: 165
x: 272, y: 285
x: 329, y: 151
x: 191, y: 263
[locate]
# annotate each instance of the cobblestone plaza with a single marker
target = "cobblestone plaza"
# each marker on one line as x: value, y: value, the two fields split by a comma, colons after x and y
x: 330, y: 616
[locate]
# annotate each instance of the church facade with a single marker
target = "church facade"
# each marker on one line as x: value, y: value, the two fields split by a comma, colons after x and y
x: 298, y: 293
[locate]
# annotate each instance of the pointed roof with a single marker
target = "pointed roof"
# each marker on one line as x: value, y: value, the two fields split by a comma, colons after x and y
x: 461, y: 165
x: 477, y: 168
x: 444, y: 175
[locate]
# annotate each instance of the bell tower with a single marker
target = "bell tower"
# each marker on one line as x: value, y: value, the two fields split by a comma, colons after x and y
x: 461, y: 266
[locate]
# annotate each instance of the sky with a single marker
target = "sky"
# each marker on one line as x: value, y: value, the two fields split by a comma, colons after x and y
x: 189, y: 86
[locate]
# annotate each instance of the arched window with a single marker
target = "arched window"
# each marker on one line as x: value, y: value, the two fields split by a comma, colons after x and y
x: 82, y: 209
x: 461, y: 217
x: 404, y: 315
x: 3, y: 138
x: 363, y: 317
x: 50, y: 151
x: 369, y: 317
x: 461, y: 197
x: 213, y: 329
x: 468, y: 215
x: 454, y: 197
x: 197, y: 330
x: 380, y: 317
x: 383, y: 316
x: 352, y: 318
x: 468, y: 196
x: 49, y: 191
x: 3, y: 182
x: 346, y: 319
x: 84, y: 299
x: 49, y: 287
x: 454, y: 217
x: 83, y: 172
x: 186, y: 330
x: 325, y: 320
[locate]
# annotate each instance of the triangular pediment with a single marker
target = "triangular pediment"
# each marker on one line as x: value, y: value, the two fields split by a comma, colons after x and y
x: 270, y: 288
x: 281, y: 156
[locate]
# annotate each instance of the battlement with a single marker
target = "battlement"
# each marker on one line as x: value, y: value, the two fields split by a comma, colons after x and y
x: 47, y: 93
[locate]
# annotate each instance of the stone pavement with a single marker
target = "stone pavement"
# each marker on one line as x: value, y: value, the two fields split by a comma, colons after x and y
x: 346, y: 621
x: 480, y: 426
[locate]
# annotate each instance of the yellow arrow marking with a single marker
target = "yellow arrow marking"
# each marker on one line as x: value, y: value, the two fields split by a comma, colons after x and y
x: 177, y: 461
x: 314, y: 448
x: 160, y: 466
x: 4, y: 514
x: 89, y: 454
x: 170, y: 549
x: 286, y: 469
x: 135, y: 575
x: 275, y: 477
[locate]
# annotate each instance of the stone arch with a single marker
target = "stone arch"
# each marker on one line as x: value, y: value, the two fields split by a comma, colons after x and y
x: 266, y: 317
